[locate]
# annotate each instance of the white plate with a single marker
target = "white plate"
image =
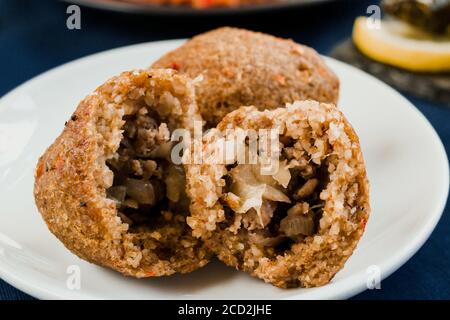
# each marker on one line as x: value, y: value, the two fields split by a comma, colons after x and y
x: 406, y: 162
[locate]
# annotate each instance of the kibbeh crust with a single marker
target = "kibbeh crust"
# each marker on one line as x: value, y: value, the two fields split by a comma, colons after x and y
x: 243, y: 68
x: 297, y: 226
x: 107, y: 188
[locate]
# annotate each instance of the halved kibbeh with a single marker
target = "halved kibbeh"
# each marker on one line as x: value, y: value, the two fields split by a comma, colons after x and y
x: 107, y: 188
x: 295, y: 226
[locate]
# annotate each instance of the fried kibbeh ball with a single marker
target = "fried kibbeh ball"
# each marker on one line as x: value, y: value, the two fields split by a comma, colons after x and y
x: 243, y: 68
x: 293, y: 227
x: 107, y: 188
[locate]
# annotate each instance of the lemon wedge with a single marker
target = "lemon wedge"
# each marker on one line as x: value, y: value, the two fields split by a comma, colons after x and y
x: 396, y: 43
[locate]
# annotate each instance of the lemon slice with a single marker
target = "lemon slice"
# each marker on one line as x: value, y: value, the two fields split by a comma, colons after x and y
x: 400, y: 45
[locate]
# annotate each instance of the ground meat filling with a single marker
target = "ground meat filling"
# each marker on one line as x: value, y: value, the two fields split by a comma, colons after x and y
x: 290, y: 208
x: 149, y: 190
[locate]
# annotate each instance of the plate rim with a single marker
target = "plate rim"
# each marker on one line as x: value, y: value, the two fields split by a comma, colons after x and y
x: 388, y: 266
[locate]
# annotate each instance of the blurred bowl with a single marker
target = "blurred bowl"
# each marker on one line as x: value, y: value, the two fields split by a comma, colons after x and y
x: 142, y: 8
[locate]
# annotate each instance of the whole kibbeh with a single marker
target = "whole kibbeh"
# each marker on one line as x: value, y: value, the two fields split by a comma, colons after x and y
x: 243, y: 68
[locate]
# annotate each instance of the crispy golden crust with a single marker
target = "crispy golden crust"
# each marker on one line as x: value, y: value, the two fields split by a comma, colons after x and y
x: 241, y: 67
x: 324, y: 138
x: 72, y: 176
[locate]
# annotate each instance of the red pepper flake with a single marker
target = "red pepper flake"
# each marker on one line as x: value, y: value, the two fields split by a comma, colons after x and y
x: 363, y: 223
x: 59, y: 162
x: 39, y: 170
x: 228, y: 72
x: 175, y: 66
x: 280, y: 79
x: 203, y: 3
x: 150, y: 274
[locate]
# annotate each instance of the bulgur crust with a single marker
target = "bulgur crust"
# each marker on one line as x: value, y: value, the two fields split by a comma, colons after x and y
x: 242, y: 68
x: 324, y: 153
x: 72, y: 177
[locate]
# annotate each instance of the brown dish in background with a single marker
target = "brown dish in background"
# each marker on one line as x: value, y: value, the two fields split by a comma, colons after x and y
x: 193, y: 7
x: 202, y: 4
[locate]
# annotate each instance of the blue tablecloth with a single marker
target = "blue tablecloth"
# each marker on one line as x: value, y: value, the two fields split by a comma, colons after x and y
x: 34, y: 38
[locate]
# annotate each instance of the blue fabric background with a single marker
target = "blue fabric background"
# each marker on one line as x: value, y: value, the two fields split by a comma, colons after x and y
x: 34, y: 38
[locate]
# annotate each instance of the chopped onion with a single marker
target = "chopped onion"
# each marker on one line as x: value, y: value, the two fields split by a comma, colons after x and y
x: 275, y: 194
x: 271, y: 241
x: 162, y: 151
x: 117, y: 193
x: 283, y: 175
x: 175, y: 182
x: 266, y: 211
x: 253, y: 189
x: 296, y: 225
x: 141, y: 190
